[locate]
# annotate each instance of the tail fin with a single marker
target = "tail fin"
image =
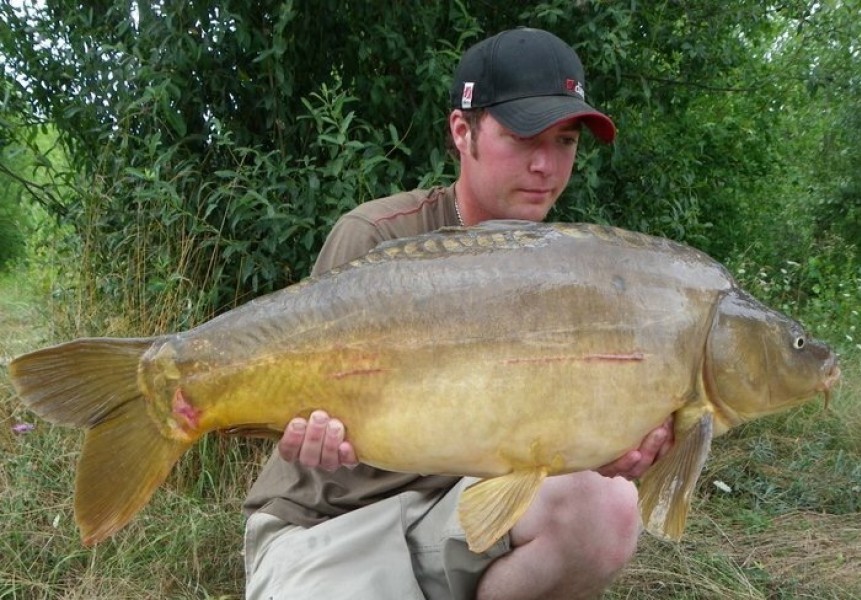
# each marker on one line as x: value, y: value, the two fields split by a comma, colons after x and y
x: 93, y: 383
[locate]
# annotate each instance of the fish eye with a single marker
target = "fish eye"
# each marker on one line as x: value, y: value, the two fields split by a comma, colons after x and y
x: 799, y: 343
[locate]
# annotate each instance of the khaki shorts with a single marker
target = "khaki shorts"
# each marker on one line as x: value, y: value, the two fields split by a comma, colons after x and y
x: 409, y: 546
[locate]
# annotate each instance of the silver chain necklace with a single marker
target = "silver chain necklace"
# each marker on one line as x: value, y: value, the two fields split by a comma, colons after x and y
x: 457, y: 208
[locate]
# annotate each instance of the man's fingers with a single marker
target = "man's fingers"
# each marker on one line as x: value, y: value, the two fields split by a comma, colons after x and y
x: 657, y: 444
x: 334, y: 435
x: 635, y: 463
x: 317, y: 442
x: 310, y: 454
x: 668, y: 440
x: 291, y: 441
x: 347, y: 454
x: 653, y: 444
x: 622, y: 465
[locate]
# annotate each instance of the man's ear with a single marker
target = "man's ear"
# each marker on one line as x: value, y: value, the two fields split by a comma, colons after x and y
x: 460, y: 131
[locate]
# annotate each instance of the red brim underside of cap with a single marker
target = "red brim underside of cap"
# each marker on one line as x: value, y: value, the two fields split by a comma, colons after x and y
x: 530, y: 116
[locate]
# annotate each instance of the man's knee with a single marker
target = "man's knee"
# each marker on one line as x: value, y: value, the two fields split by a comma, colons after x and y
x: 595, y: 519
x: 621, y: 515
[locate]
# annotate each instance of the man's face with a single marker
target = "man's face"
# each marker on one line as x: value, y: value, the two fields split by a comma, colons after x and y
x: 505, y: 176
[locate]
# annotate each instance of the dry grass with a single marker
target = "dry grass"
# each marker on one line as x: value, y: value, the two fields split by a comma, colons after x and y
x: 799, y: 555
x: 815, y: 551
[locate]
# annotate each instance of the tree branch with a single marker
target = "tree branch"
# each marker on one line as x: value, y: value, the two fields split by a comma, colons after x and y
x: 39, y: 192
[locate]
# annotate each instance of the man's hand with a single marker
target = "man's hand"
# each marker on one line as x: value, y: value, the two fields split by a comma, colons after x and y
x: 636, y: 462
x: 317, y: 442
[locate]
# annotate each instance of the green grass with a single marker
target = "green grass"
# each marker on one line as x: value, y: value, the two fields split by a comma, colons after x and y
x: 790, y: 527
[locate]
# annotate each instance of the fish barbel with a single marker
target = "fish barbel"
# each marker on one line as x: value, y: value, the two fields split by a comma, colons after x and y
x: 508, y: 351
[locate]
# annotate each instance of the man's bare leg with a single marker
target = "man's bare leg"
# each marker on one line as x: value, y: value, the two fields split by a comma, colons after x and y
x: 580, y: 531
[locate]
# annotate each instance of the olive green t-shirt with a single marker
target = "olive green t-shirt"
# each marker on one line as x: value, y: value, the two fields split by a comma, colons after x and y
x: 304, y: 496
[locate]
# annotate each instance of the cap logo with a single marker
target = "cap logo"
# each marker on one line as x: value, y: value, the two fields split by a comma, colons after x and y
x: 466, y: 99
x: 574, y: 86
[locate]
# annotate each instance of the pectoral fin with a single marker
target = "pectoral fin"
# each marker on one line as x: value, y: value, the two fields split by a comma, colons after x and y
x: 489, y: 508
x: 666, y: 489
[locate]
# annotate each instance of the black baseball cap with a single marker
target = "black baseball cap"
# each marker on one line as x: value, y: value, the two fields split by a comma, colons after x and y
x: 529, y: 80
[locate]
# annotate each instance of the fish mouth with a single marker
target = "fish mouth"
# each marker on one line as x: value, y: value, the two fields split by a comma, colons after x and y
x: 829, y: 381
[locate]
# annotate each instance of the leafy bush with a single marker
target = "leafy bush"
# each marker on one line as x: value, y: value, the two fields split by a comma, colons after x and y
x: 12, y: 240
x: 212, y: 145
x: 13, y: 217
x: 199, y: 243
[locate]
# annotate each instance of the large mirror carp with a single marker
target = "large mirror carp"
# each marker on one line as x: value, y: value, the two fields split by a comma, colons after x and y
x: 509, y: 351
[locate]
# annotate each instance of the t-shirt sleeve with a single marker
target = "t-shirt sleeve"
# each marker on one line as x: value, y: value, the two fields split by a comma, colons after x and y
x: 351, y: 237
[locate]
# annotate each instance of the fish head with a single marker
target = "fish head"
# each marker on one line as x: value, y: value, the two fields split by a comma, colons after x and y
x: 759, y: 361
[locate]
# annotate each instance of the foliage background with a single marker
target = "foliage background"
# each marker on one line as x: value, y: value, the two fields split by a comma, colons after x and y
x: 207, y: 147
x: 161, y: 162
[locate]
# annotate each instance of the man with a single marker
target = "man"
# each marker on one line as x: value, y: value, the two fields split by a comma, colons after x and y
x: 324, y: 526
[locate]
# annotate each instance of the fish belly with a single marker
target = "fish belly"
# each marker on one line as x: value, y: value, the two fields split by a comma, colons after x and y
x: 488, y: 414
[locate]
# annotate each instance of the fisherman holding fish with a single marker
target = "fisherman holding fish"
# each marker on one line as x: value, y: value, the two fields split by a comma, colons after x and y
x: 515, y: 355
x: 321, y: 524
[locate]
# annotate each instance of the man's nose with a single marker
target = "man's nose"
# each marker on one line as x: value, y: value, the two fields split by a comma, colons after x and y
x: 541, y: 159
